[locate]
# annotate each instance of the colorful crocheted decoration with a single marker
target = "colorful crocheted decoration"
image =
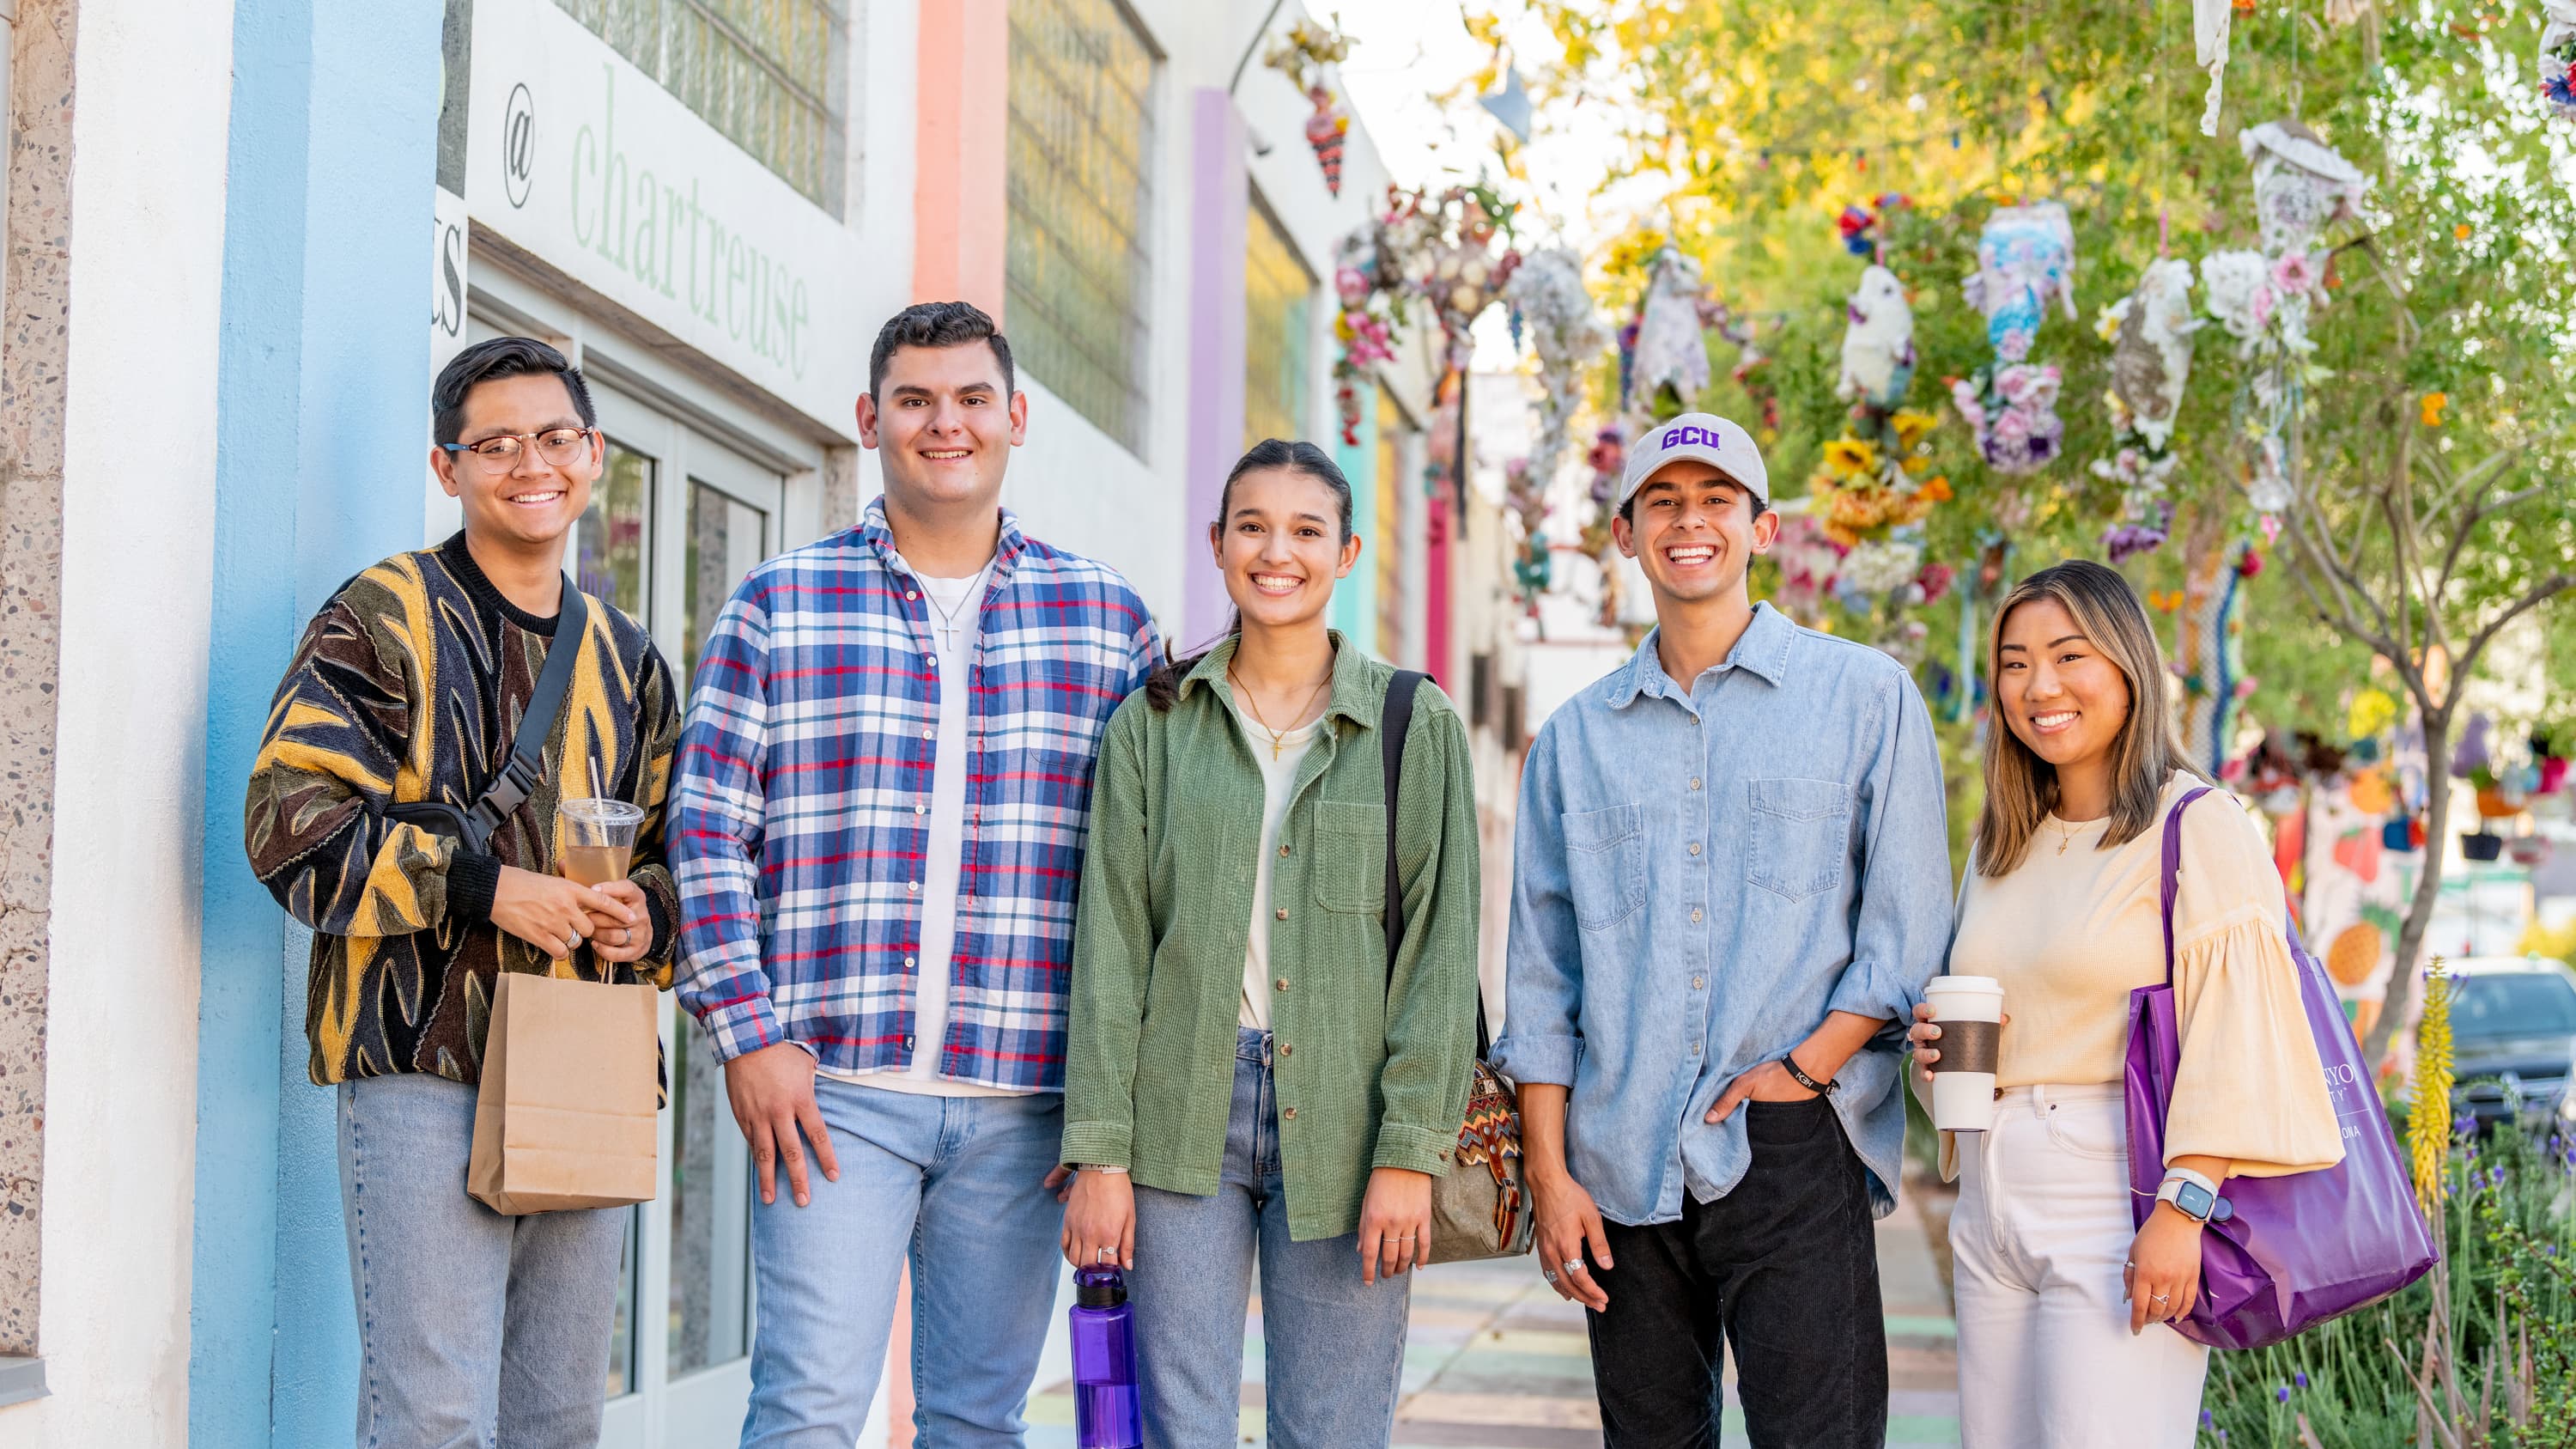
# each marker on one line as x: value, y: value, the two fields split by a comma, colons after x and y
x: 1671, y: 350
x: 2300, y: 184
x: 1490, y: 1137
x: 2558, y: 56
x: 2150, y: 332
x: 1548, y: 294
x: 1327, y: 130
x: 2025, y: 256
x: 1878, y: 342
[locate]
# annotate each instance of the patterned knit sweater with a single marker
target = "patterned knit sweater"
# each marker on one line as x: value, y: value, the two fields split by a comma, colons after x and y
x: 408, y: 686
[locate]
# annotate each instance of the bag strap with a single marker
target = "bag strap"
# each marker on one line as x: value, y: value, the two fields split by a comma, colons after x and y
x: 1394, y: 723
x: 526, y: 767
x: 2173, y: 870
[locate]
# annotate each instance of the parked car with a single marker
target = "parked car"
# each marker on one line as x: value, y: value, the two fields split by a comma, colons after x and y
x: 2513, y: 1031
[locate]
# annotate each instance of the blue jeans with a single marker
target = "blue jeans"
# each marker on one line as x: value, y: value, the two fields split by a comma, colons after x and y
x: 474, y: 1329
x: 1332, y: 1346
x: 963, y: 1180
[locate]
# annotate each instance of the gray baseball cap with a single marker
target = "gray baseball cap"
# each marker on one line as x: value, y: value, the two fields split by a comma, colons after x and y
x: 1706, y: 437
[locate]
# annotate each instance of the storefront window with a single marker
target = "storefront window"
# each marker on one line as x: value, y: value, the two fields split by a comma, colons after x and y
x: 612, y: 556
x: 1278, y: 292
x: 710, y: 1213
x: 766, y: 73
x: 726, y: 537
x: 1081, y: 129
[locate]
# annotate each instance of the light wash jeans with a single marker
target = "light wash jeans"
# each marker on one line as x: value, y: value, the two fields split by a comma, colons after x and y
x: 2038, y: 1239
x: 474, y: 1329
x: 1332, y: 1346
x: 963, y: 1180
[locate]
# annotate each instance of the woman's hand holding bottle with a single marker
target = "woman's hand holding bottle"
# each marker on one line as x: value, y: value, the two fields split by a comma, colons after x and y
x: 1100, y: 1220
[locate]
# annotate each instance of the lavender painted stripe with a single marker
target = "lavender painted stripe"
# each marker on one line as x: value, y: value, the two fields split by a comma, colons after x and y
x: 1220, y: 211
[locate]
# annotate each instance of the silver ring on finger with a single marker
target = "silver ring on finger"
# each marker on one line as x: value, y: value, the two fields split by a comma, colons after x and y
x: 2161, y: 1297
x: 1548, y: 1273
x: 1574, y: 1265
x: 1102, y: 1256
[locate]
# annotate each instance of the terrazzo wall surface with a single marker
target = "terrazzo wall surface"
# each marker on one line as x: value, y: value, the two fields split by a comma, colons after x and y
x: 33, y: 351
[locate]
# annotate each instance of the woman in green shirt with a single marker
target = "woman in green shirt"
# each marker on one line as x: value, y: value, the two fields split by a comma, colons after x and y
x: 1246, y: 1078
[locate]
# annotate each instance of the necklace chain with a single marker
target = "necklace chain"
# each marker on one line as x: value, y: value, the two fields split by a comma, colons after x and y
x: 1278, y: 738
x: 947, y: 616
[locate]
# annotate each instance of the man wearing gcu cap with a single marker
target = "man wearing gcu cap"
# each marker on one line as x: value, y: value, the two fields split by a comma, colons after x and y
x: 1731, y: 880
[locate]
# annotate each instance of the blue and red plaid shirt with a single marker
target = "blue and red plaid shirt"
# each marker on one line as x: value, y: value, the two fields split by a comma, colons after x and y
x: 801, y: 811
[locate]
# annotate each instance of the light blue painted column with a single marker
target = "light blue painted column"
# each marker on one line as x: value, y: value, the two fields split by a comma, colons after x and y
x: 1355, y: 598
x: 323, y: 416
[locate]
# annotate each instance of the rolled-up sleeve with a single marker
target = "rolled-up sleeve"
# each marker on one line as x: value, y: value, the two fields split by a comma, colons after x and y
x: 1902, y: 928
x: 1543, y: 966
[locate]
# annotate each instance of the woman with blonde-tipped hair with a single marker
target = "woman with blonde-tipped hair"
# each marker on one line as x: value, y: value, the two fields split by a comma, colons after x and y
x: 2061, y: 1298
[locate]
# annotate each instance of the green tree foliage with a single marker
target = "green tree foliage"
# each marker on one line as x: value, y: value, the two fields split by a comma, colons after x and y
x: 2410, y: 539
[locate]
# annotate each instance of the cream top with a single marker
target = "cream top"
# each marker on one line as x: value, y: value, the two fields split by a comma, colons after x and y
x: 2069, y: 933
x: 1279, y: 781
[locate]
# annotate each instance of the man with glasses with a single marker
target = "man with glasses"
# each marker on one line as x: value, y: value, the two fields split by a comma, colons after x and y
x: 407, y: 690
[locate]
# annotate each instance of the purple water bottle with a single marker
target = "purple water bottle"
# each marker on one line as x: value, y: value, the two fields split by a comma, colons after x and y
x: 1105, y: 1414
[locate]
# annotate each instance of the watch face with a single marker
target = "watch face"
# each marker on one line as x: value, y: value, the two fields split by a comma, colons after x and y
x: 2194, y: 1199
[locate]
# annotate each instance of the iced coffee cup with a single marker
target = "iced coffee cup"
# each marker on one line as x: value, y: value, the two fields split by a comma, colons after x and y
x: 1970, y: 1012
x: 598, y: 839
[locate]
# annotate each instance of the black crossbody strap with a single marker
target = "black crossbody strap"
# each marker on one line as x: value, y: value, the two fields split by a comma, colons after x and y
x: 526, y: 767
x: 1394, y: 723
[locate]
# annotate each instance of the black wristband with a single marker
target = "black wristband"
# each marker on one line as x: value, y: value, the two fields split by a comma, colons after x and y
x: 1799, y: 1075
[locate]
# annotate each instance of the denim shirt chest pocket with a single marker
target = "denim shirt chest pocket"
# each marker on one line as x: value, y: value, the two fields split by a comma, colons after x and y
x: 1605, y: 864
x: 1800, y: 839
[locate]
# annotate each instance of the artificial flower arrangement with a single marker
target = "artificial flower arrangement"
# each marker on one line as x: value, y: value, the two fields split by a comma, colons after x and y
x: 2265, y: 304
x: 2025, y: 257
x: 1415, y: 246
x: 2558, y: 57
x: 1301, y: 54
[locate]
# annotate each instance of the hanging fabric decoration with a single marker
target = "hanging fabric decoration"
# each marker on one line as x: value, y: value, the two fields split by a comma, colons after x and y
x: 2150, y: 332
x: 1525, y: 494
x: 2025, y: 255
x: 1671, y: 350
x: 2300, y: 183
x: 1547, y: 292
x: 1871, y: 496
x: 1326, y: 131
x: 2209, y: 23
x: 2558, y: 56
x: 1301, y: 54
x: 2264, y: 299
x: 1878, y: 342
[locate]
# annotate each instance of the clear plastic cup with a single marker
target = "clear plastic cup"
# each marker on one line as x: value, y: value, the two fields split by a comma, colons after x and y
x: 596, y: 839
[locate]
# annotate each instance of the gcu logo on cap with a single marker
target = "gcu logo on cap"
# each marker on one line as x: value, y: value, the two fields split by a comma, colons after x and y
x: 1687, y: 434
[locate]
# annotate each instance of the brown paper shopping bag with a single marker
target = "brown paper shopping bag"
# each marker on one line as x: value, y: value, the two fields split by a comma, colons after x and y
x: 566, y: 1114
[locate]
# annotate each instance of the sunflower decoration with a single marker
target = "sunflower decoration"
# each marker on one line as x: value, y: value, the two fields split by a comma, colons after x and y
x: 1870, y: 485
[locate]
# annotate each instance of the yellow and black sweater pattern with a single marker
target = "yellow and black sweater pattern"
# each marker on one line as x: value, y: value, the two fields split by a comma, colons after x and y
x: 408, y: 686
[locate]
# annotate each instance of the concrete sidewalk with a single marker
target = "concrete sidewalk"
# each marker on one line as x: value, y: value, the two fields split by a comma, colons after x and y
x: 1497, y: 1361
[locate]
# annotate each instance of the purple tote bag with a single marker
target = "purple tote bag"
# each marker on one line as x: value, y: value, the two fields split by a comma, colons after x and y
x: 2303, y: 1248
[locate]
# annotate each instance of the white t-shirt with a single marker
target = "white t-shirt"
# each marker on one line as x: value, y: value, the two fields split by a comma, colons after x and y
x: 956, y: 609
x: 1279, y: 780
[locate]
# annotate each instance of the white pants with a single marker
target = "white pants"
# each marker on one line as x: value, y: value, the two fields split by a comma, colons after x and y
x: 2037, y: 1242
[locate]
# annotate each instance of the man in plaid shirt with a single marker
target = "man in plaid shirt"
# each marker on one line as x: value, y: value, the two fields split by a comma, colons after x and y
x: 884, y: 786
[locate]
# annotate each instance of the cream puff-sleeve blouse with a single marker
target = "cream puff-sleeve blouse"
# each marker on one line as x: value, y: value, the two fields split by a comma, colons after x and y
x: 2071, y: 931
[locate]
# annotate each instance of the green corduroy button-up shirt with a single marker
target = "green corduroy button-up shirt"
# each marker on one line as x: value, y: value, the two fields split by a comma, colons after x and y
x: 1368, y: 1074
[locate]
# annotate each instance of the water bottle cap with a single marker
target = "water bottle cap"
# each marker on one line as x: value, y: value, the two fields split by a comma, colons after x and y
x: 1099, y: 1286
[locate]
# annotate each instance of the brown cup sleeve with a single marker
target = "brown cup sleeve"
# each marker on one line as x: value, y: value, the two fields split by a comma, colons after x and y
x: 1968, y: 1046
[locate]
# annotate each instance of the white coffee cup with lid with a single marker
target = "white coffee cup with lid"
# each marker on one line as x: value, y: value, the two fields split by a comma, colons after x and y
x: 1970, y: 1012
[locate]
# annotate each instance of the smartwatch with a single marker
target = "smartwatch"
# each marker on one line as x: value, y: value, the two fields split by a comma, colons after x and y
x: 2195, y: 1198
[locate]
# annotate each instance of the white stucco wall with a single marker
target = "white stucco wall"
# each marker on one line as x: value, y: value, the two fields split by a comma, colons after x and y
x: 153, y: 82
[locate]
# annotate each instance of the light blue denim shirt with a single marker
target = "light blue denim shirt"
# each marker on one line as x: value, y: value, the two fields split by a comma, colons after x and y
x: 1700, y: 876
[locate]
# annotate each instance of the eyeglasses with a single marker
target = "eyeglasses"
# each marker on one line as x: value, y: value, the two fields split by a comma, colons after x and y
x: 559, y: 447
